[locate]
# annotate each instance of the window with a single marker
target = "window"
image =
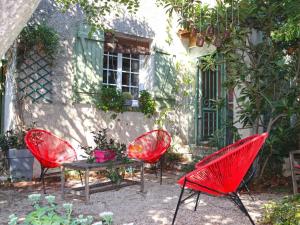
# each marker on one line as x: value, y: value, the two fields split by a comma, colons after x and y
x: 122, y: 71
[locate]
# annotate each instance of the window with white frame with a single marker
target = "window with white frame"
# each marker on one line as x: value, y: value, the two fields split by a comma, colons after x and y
x: 122, y: 71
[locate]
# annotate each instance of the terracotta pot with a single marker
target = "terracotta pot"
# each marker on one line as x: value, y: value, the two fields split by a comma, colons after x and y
x: 210, y: 31
x: 217, y: 42
x: 226, y: 34
x: 200, y: 40
x: 183, y: 33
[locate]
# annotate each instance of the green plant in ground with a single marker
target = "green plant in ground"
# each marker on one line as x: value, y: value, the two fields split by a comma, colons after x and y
x: 40, y: 36
x: 147, y: 103
x: 172, y: 157
x: 285, y: 212
x: 111, y: 99
x: 51, y: 213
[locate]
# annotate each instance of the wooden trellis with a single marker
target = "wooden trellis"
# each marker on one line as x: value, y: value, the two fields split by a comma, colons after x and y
x: 35, y: 78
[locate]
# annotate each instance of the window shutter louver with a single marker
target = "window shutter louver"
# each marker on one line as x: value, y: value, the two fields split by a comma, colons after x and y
x: 164, y: 79
x: 89, y: 50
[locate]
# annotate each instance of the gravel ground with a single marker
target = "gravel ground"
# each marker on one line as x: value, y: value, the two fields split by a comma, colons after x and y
x: 155, y: 207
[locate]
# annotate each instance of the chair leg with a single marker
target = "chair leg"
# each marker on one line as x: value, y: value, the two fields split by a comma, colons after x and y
x: 179, y: 202
x: 161, y: 169
x: 80, y: 175
x: 242, y: 207
x: 198, y: 195
x: 42, y: 178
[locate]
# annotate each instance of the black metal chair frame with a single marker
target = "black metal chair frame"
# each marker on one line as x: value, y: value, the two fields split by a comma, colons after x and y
x: 233, y: 196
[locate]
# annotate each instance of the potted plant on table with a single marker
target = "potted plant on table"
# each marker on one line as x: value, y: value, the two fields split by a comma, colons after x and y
x: 103, y: 151
x: 19, y: 158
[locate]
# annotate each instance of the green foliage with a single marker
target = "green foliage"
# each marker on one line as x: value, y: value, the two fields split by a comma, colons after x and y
x: 95, y: 11
x: 103, y: 143
x: 255, y: 42
x: 127, y: 95
x: 171, y: 157
x: 111, y: 99
x: 13, y: 138
x: 51, y: 213
x: 40, y: 36
x: 285, y: 212
x: 147, y: 103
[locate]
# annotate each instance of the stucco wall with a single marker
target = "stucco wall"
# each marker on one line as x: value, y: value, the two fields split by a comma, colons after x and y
x: 74, y: 122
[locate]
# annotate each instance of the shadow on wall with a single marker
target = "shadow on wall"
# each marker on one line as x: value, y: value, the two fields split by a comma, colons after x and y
x: 130, y: 24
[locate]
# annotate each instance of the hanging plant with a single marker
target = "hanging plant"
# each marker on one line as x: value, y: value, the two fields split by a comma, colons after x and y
x: 45, y: 39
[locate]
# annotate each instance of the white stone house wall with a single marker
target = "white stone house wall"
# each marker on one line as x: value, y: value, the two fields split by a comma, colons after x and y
x: 75, y: 121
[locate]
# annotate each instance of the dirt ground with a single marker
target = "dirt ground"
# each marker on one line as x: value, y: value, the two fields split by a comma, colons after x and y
x: 154, y: 207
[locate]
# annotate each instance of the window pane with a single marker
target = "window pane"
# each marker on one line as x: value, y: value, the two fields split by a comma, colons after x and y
x: 105, y: 76
x: 135, y: 66
x: 112, y: 77
x: 134, y: 79
x: 113, y: 62
x: 125, y: 89
x: 135, y: 93
x: 105, y: 61
x: 126, y: 65
x: 135, y: 56
x: 125, y: 79
x: 126, y: 55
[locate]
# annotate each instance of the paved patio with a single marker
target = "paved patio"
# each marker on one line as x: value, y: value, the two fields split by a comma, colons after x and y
x: 155, y: 207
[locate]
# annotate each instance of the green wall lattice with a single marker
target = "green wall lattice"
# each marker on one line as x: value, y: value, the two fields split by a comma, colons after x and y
x: 35, y: 78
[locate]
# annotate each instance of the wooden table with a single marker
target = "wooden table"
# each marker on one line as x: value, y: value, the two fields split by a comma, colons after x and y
x: 86, y: 190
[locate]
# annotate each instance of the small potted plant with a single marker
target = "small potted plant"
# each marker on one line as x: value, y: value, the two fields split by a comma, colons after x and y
x: 103, y: 151
x: 128, y: 98
x: 20, y: 160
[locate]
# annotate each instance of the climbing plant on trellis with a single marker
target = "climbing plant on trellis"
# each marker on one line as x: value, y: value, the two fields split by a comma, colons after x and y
x: 35, y: 77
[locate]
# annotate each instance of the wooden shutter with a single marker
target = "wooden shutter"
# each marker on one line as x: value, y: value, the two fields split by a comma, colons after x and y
x: 164, y: 79
x: 88, y: 65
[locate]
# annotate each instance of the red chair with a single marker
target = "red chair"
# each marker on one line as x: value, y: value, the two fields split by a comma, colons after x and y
x: 50, y: 150
x: 150, y: 147
x: 221, y: 173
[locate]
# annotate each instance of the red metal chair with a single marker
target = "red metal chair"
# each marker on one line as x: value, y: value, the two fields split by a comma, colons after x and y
x: 150, y: 147
x: 50, y: 150
x: 221, y: 173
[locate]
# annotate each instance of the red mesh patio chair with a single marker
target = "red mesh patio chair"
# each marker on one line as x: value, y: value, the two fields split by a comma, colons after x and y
x: 251, y: 171
x: 221, y: 173
x: 50, y: 150
x: 150, y: 147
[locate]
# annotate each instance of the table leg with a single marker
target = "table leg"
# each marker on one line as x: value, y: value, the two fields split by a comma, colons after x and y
x: 62, y: 180
x: 142, y: 177
x: 87, y: 187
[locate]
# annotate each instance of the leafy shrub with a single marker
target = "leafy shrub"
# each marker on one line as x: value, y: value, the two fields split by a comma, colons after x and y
x: 147, y: 103
x: 172, y: 157
x: 51, y: 213
x: 40, y: 35
x: 285, y: 212
x: 111, y: 99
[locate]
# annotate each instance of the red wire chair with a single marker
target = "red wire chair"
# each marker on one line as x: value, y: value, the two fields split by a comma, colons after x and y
x: 221, y: 173
x: 50, y: 150
x: 150, y: 147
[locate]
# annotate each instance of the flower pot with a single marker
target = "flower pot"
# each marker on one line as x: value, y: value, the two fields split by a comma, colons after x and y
x: 200, y: 41
x: 104, y: 155
x: 20, y: 163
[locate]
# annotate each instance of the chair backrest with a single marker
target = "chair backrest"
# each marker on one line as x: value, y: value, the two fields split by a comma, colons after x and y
x: 224, y: 170
x: 50, y: 150
x: 224, y: 150
x: 150, y: 146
